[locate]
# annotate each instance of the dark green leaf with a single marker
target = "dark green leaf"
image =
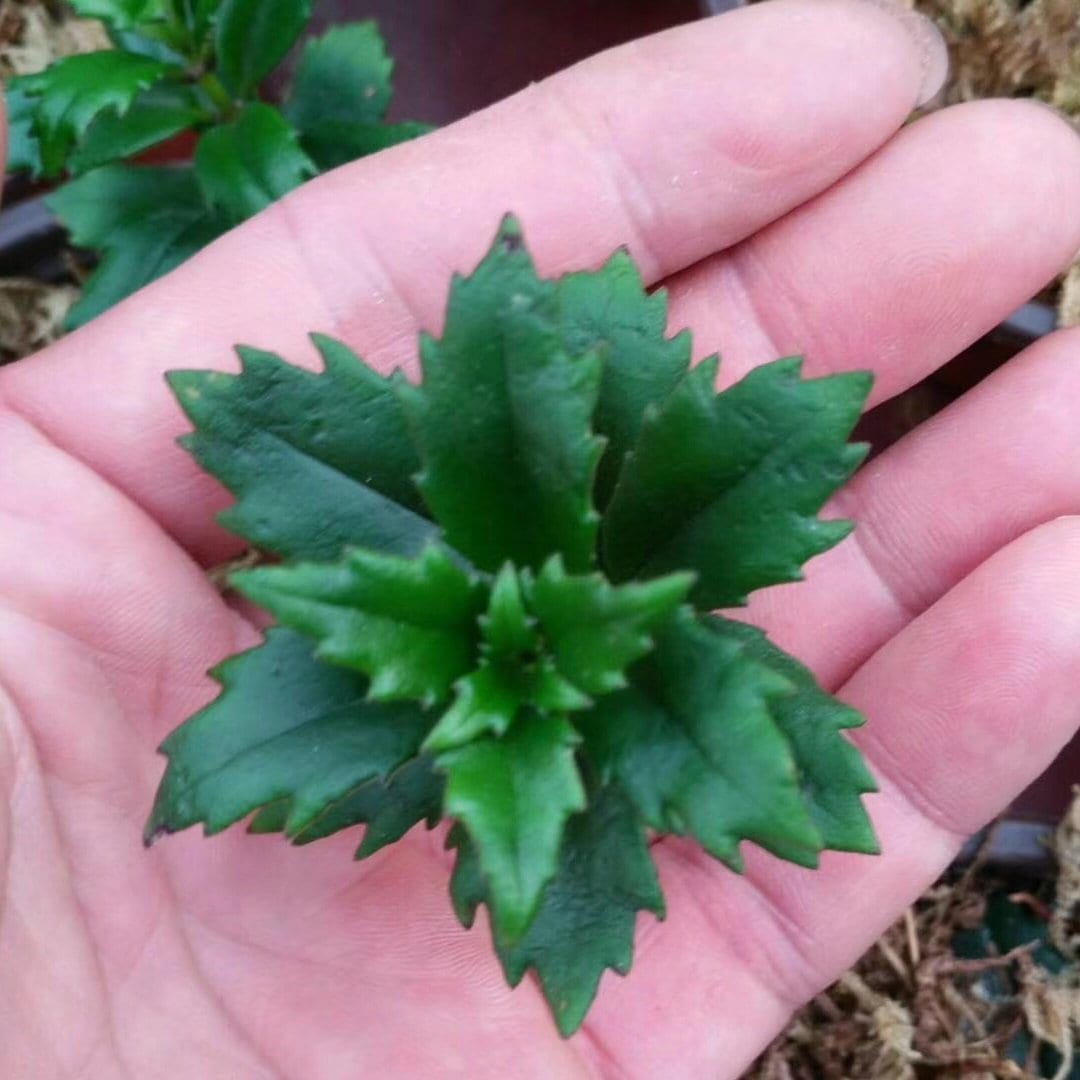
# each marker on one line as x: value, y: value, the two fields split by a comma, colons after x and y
x: 596, y: 630
x: 502, y: 420
x: 729, y: 485
x: 252, y: 38
x: 22, y: 144
x: 122, y: 14
x: 585, y: 921
x: 610, y: 308
x: 316, y: 461
x: 333, y: 142
x: 198, y: 15
x: 73, y: 91
x: 143, y: 221
x: 694, y: 745
x: 1012, y: 925
x: 245, y: 166
x: 513, y: 795
x: 389, y: 808
x: 284, y: 727
x: 340, y: 95
x: 408, y: 624
x: 155, y: 115
x: 833, y: 774
x: 343, y: 77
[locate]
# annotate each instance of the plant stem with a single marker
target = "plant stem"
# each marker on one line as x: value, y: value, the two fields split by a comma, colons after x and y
x: 217, y: 93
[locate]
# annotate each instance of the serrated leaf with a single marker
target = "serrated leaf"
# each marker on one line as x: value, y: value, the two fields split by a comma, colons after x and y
x: 316, y: 461
x: 122, y: 14
x: 729, y: 485
x: 340, y: 94
x: 143, y: 221
x: 513, y: 674
x: 244, y: 166
x: 71, y: 92
x: 492, y: 697
x: 389, y: 808
x: 22, y: 143
x: 408, y: 624
x: 585, y: 921
x: 333, y: 142
x: 155, y: 115
x: 343, y: 77
x: 502, y: 420
x: 513, y: 796
x: 609, y: 307
x: 832, y: 772
x: 595, y: 630
x: 285, y: 727
x: 694, y: 745
x: 251, y: 38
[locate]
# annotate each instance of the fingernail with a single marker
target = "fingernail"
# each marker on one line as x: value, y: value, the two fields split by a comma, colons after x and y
x: 933, y: 52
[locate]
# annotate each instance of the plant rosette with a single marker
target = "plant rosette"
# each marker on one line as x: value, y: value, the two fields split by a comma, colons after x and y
x: 191, y: 70
x: 494, y: 598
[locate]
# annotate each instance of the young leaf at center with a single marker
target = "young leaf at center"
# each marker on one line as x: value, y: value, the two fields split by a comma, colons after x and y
x: 596, y: 630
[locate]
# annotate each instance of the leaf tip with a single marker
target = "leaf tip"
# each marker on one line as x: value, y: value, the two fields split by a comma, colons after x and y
x: 510, y: 238
x: 155, y: 830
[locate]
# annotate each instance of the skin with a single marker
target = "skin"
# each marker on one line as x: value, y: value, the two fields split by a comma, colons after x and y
x: 756, y: 164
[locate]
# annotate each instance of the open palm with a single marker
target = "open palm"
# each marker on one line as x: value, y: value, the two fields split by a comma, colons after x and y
x: 752, y: 163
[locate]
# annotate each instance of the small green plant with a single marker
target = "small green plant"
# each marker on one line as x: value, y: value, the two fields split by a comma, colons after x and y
x: 192, y: 65
x: 494, y: 603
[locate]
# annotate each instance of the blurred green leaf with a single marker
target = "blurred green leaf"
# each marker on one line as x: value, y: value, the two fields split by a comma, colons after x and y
x: 252, y: 38
x: 244, y: 166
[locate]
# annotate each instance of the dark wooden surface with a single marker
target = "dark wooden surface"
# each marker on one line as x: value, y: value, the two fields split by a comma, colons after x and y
x: 456, y: 56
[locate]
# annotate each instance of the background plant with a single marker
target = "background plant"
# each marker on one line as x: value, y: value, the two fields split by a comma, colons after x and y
x: 495, y: 604
x: 192, y: 65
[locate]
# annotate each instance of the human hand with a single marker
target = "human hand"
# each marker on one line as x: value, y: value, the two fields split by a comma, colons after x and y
x: 753, y: 164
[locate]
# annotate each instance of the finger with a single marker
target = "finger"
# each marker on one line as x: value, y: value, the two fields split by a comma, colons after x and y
x: 676, y: 146
x: 75, y: 555
x: 905, y: 262
x: 995, y: 464
x: 965, y: 707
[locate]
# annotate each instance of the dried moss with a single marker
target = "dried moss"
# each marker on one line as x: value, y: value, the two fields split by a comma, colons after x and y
x: 980, y: 978
x: 1007, y: 48
x: 34, y: 33
x: 1013, y: 48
